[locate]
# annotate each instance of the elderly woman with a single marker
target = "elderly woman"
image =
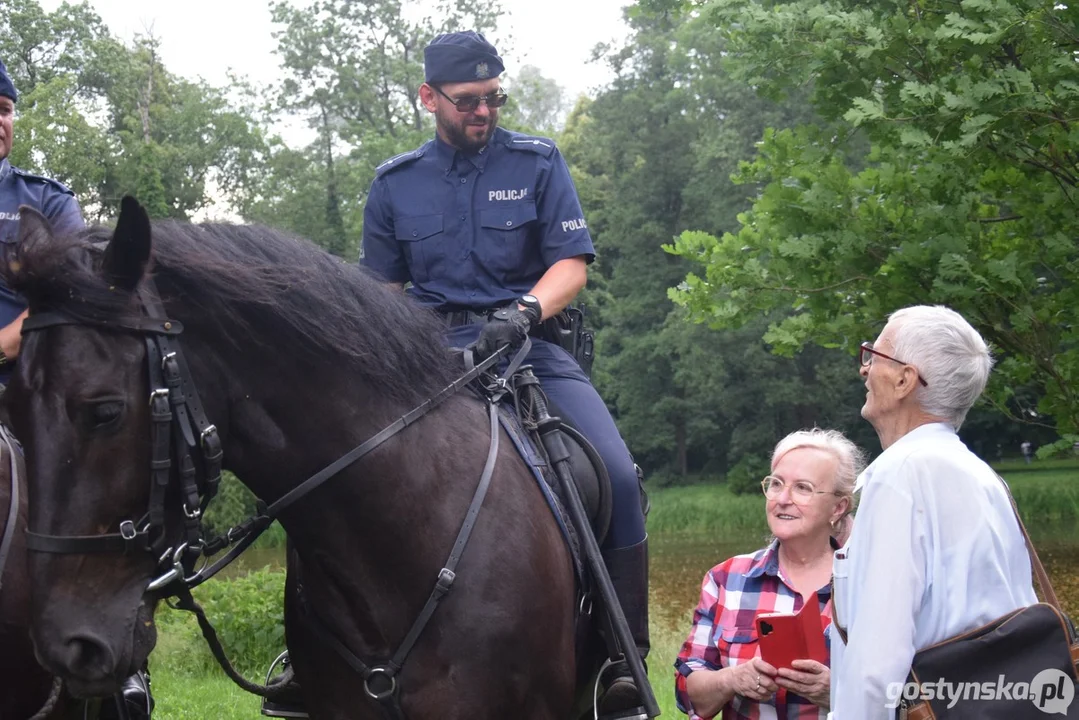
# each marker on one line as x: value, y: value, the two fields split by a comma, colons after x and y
x: 719, y: 668
x: 936, y: 550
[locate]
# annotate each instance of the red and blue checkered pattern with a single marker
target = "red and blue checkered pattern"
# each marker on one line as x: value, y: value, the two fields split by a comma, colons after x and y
x: 724, y: 635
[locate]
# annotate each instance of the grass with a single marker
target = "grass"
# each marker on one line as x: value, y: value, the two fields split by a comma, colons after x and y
x: 188, y: 685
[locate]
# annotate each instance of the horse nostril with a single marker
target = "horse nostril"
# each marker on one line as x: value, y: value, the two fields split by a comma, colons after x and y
x: 88, y: 658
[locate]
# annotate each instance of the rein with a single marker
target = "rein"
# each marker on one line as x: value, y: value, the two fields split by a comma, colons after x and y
x: 180, y: 431
x: 13, y: 511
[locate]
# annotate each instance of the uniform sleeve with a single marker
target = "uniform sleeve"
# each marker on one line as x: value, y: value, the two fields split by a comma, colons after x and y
x: 380, y: 250
x: 886, y: 582
x: 561, y: 221
x: 63, y: 212
x: 698, y: 651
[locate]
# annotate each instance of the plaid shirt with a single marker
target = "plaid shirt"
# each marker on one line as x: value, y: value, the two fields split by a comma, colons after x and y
x: 724, y: 634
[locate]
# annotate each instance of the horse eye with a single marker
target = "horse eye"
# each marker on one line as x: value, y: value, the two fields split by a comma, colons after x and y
x: 104, y: 413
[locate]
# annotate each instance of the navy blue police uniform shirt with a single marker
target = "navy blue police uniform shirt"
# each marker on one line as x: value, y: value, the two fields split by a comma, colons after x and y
x: 473, y: 231
x: 53, y: 200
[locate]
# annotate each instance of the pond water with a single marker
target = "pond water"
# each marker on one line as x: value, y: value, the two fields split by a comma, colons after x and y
x: 679, y: 562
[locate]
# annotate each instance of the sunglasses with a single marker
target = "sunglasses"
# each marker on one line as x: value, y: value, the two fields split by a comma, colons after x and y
x: 469, y: 103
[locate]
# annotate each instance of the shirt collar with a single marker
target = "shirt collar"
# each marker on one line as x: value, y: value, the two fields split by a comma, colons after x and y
x: 449, y: 156
x: 5, y: 169
x: 768, y: 562
x: 918, y: 434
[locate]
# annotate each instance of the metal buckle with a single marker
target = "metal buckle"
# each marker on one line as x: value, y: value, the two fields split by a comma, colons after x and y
x: 159, y: 393
x: 211, y: 430
x: 165, y: 359
x: 127, y: 530
x: 173, y: 574
x: 192, y: 514
x: 385, y: 693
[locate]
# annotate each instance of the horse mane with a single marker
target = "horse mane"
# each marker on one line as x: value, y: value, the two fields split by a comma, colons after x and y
x: 259, y: 285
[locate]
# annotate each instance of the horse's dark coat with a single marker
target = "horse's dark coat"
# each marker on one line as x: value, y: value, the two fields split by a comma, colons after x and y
x: 298, y: 357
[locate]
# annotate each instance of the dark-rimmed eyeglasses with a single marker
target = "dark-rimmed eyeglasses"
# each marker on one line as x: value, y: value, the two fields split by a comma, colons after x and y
x: 469, y: 103
x: 801, y: 490
x: 865, y: 359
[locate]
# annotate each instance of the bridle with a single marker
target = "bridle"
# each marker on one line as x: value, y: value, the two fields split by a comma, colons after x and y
x: 182, y: 438
x: 180, y: 433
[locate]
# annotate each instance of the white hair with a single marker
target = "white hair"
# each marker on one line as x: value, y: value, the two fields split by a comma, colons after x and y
x: 850, y: 460
x: 949, y: 355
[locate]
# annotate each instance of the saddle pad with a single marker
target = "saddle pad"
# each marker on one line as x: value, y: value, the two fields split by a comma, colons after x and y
x: 543, y: 475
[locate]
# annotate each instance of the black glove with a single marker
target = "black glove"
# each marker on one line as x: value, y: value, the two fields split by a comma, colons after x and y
x: 508, y: 326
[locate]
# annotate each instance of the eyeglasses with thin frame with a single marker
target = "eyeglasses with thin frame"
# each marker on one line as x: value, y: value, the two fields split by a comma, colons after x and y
x: 802, y: 491
x: 469, y: 103
x: 865, y: 359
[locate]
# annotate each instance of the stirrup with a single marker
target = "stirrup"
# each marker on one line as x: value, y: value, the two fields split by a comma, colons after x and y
x: 635, y: 713
x: 276, y: 708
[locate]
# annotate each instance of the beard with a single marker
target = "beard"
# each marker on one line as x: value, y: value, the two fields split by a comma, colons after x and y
x: 466, y: 134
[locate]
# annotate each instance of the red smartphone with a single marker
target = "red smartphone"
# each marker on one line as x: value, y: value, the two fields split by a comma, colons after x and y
x: 786, y: 637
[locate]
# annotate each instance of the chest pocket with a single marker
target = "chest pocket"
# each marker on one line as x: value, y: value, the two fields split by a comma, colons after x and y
x: 421, y: 237
x: 737, y: 645
x: 506, y: 235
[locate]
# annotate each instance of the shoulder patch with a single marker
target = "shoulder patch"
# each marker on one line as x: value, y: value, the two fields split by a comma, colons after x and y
x: 400, y: 160
x: 56, y: 184
x: 541, y: 145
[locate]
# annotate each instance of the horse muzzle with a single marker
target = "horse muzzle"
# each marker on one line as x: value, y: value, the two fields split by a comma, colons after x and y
x: 92, y: 660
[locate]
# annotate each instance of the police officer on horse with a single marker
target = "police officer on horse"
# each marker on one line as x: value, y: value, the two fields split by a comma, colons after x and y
x: 486, y: 227
x: 57, y: 203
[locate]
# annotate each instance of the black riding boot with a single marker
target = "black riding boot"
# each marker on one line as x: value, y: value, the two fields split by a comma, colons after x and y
x: 290, y: 704
x: 628, y: 568
x: 133, y: 702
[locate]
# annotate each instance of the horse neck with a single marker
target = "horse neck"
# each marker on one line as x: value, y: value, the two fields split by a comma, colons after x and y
x: 383, y: 523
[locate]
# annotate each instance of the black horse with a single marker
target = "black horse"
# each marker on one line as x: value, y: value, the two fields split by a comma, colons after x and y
x: 298, y: 357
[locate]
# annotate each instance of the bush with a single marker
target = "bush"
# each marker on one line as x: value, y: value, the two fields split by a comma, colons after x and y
x: 745, y: 477
x: 248, y: 614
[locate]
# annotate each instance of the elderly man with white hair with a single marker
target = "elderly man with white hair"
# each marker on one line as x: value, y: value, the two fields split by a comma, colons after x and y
x: 935, y: 550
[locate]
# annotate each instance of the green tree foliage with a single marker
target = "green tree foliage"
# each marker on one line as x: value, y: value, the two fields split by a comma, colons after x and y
x: 652, y: 156
x: 536, y: 102
x: 109, y: 120
x: 966, y: 198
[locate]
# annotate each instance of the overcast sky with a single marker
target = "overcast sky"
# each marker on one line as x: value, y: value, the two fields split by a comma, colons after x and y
x: 205, y: 38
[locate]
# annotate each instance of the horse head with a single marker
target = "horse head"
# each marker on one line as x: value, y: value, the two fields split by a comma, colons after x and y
x: 78, y: 404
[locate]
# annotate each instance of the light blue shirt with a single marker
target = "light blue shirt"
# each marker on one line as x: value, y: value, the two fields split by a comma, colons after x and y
x: 935, y: 551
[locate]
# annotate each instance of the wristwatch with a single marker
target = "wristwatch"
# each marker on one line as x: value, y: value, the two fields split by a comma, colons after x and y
x: 531, y: 304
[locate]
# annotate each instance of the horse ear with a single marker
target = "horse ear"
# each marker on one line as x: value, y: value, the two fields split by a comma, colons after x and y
x: 128, y: 251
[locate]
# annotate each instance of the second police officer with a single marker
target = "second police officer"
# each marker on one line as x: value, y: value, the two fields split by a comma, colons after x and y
x: 480, y: 219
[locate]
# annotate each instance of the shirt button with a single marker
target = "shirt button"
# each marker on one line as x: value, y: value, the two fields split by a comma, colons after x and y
x: 415, y: 233
x: 462, y: 217
x: 464, y: 180
x: 509, y: 223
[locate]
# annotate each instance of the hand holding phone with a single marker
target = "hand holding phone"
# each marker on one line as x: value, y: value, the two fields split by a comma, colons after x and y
x: 786, y: 637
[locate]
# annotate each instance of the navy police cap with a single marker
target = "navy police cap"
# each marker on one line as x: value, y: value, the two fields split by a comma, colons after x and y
x: 460, y: 57
x: 7, y: 88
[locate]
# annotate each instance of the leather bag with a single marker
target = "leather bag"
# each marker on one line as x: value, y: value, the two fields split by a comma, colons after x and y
x: 1021, y: 666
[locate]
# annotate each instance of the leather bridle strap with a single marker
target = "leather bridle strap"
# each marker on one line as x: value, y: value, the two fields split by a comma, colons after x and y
x: 255, y: 526
x: 13, y: 510
x: 380, y: 680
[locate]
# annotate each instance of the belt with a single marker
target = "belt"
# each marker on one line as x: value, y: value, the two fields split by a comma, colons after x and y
x: 457, y: 318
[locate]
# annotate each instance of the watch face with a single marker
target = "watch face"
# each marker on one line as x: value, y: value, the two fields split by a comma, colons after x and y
x: 530, y: 299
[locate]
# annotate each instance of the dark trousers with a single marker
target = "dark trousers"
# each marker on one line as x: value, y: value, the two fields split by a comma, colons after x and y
x: 567, y: 387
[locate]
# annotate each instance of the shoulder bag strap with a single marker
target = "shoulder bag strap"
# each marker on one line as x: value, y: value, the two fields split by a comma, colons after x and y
x: 1035, y: 562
